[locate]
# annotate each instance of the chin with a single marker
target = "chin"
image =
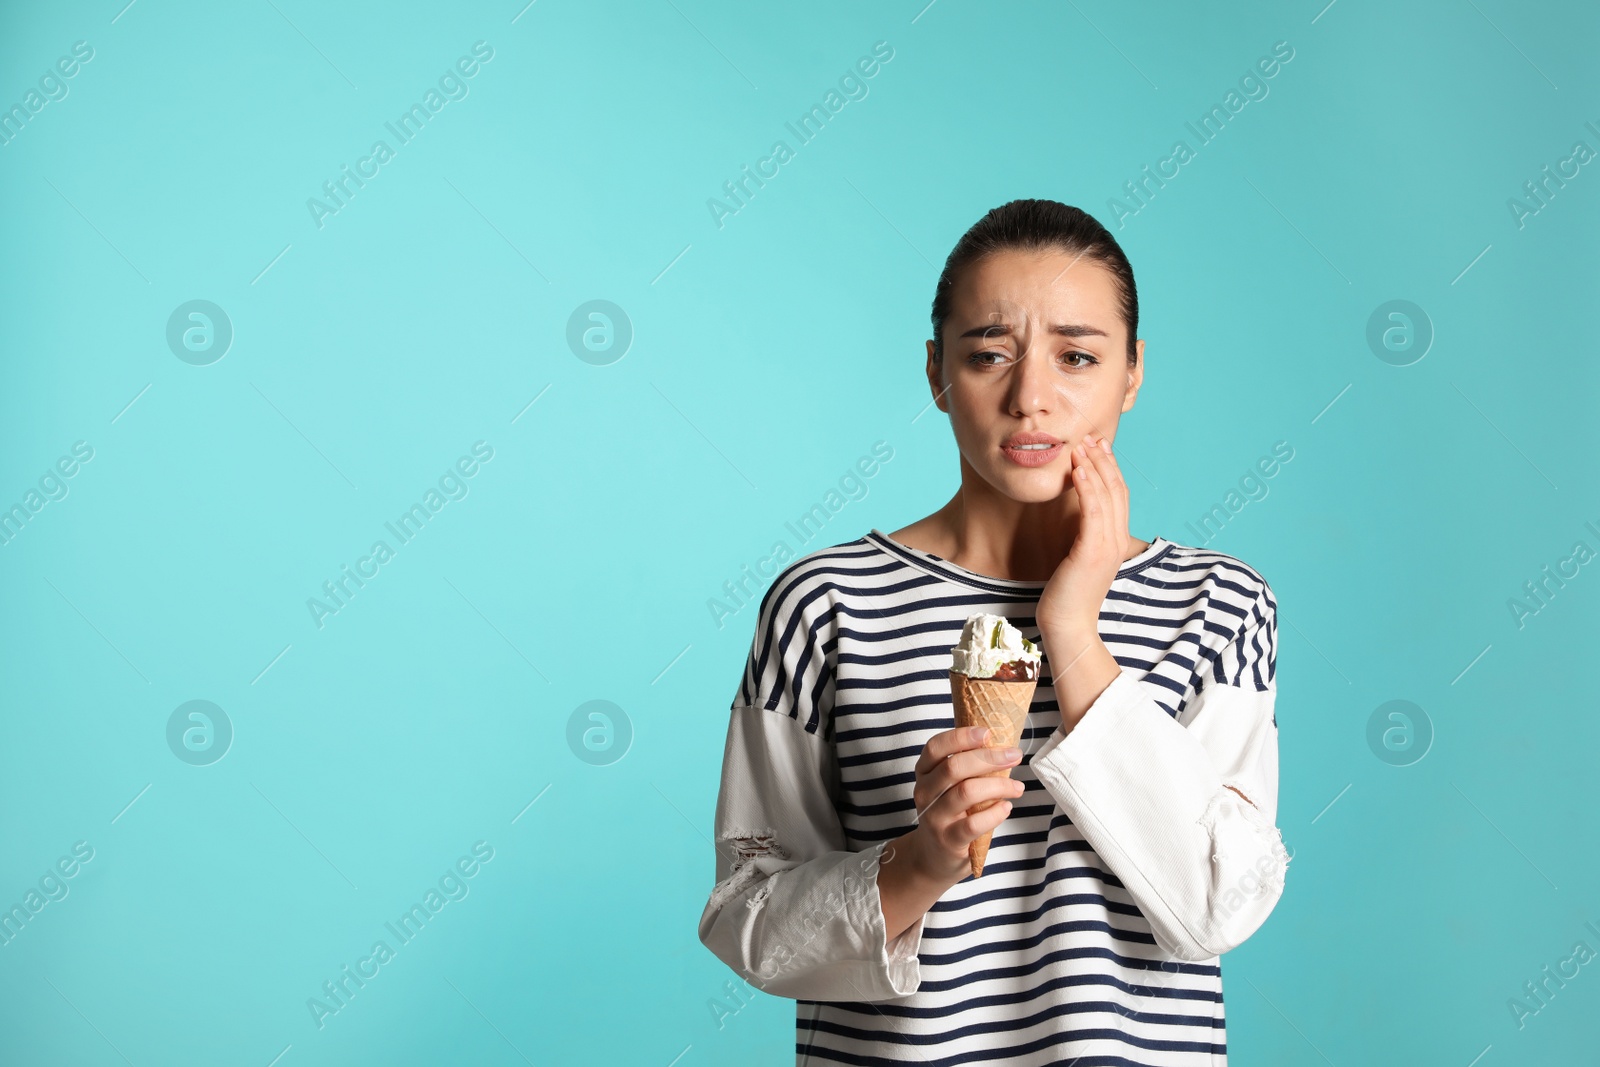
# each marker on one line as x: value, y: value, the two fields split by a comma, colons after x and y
x: 1035, y: 486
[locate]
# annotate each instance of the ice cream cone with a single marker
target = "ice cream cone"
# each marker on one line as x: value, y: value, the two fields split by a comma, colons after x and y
x: 1002, y: 706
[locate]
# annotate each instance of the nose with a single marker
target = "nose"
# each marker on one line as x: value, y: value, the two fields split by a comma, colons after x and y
x: 1030, y: 392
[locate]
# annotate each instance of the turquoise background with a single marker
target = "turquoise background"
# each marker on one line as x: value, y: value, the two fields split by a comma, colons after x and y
x: 432, y: 711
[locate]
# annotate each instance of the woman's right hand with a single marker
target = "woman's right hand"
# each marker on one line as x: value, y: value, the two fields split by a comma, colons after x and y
x: 950, y: 781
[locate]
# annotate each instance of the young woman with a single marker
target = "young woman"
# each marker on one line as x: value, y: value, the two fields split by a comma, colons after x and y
x: 1136, y: 839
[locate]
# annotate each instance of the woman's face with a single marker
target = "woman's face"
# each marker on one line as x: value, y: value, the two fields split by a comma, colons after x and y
x: 1034, y: 344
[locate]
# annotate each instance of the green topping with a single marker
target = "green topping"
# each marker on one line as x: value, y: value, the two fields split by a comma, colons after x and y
x: 1027, y: 644
x: 994, y: 642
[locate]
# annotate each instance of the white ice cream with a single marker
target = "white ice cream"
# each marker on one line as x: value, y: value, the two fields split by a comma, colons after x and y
x: 987, y: 642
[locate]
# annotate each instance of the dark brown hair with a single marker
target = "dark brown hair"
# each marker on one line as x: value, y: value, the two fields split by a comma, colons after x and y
x: 1030, y: 226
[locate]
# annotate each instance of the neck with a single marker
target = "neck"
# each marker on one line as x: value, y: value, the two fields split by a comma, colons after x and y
x: 990, y: 533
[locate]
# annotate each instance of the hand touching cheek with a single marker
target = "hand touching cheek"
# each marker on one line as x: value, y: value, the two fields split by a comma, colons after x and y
x: 1069, y: 607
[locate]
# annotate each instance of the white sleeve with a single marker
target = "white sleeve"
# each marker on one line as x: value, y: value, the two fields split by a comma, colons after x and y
x: 794, y: 911
x: 1148, y: 792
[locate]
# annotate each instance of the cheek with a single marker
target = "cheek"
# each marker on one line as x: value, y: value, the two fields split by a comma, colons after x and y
x: 1088, y: 401
x: 1085, y: 390
x: 967, y: 429
x: 959, y: 421
x: 966, y: 408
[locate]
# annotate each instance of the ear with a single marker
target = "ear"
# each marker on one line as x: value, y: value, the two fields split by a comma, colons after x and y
x: 1135, y: 376
x: 935, y: 372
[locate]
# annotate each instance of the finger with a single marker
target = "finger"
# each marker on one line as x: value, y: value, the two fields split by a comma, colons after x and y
x: 1070, y: 480
x: 982, y: 822
x: 955, y: 803
x: 1017, y: 789
x: 1116, y: 488
x: 1119, y: 494
x: 1080, y: 460
x: 1111, y: 470
x: 951, y: 774
x: 947, y: 743
x: 980, y: 761
x: 1092, y: 494
x: 1106, y: 498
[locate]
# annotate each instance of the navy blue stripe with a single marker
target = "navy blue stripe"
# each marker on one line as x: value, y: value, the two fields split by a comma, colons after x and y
x: 1064, y: 981
x: 808, y: 1053
x: 1060, y: 1037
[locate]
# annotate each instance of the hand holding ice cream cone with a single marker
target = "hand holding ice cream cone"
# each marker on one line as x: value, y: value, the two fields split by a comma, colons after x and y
x: 994, y: 671
x: 962, y: 788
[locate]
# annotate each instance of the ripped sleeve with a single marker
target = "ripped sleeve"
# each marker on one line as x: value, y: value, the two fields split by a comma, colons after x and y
x: 1184, y: 813
x: 793, y: 911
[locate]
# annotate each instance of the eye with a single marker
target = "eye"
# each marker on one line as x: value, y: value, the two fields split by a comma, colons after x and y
x: 989, y: 358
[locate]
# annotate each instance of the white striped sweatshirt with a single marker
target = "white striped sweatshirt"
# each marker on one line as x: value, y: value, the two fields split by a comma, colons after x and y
x: 1121, y: 875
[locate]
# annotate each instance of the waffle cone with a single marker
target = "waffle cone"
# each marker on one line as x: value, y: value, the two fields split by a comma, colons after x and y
x: 1003, y: 708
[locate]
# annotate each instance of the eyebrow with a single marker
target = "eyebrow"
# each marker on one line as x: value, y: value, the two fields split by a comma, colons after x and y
x: 1070, y: 329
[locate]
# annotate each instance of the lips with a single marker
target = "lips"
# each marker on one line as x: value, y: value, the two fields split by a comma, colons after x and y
x: 1030, y: 437
x: 1031, y: 449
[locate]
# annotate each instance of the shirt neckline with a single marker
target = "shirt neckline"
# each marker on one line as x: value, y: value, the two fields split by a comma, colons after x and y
x: 943, y: 568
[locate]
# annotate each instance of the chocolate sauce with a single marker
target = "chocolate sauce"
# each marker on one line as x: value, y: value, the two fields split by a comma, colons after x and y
x: 1018, y: 670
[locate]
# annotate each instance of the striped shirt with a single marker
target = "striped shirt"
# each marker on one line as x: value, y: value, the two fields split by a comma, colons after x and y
x: 1121, y: 875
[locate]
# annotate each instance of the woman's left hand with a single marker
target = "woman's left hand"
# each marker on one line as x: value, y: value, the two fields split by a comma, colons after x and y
x: 1069, y: 608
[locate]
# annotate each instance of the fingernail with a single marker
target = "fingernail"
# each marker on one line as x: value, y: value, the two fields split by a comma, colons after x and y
x: 1004, y: 755
x: 980, y: 734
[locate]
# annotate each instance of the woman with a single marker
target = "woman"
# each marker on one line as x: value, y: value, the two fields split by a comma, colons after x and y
x: 1135, y: 840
